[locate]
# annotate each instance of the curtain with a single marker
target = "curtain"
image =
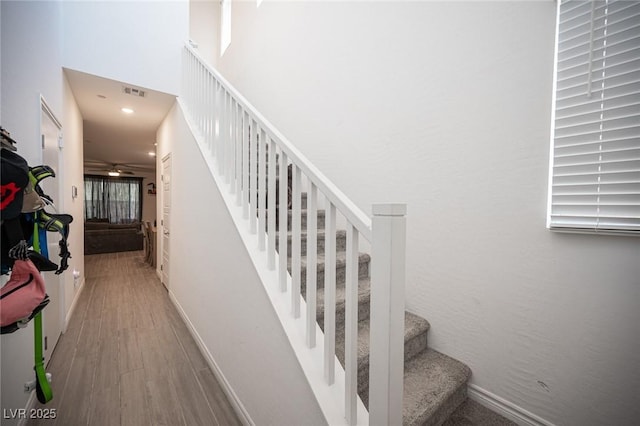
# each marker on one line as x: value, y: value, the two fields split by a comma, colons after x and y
x: 117, y: 199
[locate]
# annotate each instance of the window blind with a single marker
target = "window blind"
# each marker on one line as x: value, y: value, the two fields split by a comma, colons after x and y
x: 595, y: 176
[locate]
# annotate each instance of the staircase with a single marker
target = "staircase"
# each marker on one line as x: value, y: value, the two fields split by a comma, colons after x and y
x: 250, y: 160
x: 434, y: 384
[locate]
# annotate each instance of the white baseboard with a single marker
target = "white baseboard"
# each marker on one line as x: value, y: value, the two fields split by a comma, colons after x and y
x: 237, y: 405
x: 73, y: 305
x: 505, y: 408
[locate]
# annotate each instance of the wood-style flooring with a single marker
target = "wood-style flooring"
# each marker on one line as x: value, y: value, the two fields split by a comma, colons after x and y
x: 127, y: 357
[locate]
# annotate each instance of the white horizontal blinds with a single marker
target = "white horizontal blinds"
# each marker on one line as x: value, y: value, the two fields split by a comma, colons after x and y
x: 596, y: 156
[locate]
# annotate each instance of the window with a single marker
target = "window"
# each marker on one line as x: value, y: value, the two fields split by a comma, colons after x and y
x: 116, y: 199
x: 225, y: 26
x: 595, y: 158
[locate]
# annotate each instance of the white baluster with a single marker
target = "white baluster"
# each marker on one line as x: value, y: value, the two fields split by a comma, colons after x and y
x: 224, y: 133
x: 238, y: 145
x: 262, y: 193
x: 351, y: 326
x: 387, y: 314
x: 282, y: 221
x: 199, y: 99
x: 231, y: 153
x: 312, y: 262
x: 208, y: 113
x: 245, y: 165
x: 271, y: 208
x: 201, y: 108
x: 296, y: 226
x: 330, y: 293
x: 216, y: 133
x: 253, y: 176
x: 228, y: 168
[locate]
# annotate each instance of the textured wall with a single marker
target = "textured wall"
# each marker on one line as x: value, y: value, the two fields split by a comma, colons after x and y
x: 26, y: 27
x: 212, y: 278
x: 204, y: 28
x: 447, y: 106
x: 73, y: 176
x: 134, y: 41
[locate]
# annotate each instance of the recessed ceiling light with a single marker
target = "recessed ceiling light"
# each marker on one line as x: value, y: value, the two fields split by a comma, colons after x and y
x: 127, y: 110
x: 151, y: 153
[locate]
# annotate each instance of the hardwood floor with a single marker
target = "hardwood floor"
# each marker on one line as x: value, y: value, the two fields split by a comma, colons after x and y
x: 127, y: 358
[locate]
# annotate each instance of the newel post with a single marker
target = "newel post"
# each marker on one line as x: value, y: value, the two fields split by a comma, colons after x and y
x: 387, y: 313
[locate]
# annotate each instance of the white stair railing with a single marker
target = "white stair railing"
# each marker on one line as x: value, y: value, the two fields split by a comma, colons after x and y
x: 254, y: 159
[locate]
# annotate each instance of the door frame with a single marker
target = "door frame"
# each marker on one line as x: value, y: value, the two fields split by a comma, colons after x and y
x: 46, y: 113
x: 164, y: 268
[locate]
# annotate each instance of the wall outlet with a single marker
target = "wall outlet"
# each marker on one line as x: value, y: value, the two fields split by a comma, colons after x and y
x: 31, y: 385
x: 76, y: 279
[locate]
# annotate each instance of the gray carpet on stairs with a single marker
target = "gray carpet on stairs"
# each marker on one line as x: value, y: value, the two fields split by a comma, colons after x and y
x: 435, y: 391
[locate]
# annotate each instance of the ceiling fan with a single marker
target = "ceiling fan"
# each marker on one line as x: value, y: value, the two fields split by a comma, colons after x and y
x: 112, y: 169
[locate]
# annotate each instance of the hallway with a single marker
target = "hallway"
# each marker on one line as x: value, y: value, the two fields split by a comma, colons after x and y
x: 127, y: 358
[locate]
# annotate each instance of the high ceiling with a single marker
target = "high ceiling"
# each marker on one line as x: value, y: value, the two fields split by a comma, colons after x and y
x: 111, y: 136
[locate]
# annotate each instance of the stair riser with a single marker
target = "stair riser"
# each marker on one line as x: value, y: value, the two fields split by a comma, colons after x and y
x: 303, y: 219
x: 412, y: 347
x: 363, y: 313
x: 363, y: 272
x: 341, y: 243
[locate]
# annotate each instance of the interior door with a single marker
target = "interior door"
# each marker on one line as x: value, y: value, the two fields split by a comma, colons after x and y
x: 51, y: 134
x: 166, y: 218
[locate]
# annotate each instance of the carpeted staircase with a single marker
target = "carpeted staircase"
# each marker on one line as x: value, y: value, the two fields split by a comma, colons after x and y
x: 434, y: 384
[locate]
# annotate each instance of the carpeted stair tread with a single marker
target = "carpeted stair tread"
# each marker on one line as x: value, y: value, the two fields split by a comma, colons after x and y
x: 364, y: 296
x: 434, y: 387
x: 341, y: 262
x: 341, y: 241
x: 415, y: 341
x: 414, y: 326
x: 303, y: 219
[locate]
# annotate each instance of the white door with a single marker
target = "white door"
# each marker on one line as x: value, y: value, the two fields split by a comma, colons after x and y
x: 51, y: 134
x: 166, y: 216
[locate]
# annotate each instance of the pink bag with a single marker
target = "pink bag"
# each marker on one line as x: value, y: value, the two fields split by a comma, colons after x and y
x: 24, y: 292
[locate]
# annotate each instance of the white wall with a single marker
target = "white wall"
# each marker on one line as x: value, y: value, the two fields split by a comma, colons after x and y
x: 24, y: 77
x: 204, y: 28
x: 223, y: 298
x: 148, y: 200
x: 73, y: 176
x: 446, y: 105
x: 134, y: 41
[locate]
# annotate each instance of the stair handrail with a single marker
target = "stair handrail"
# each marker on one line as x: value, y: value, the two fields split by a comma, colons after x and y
x: 352, y: 212
x: 386, y: 231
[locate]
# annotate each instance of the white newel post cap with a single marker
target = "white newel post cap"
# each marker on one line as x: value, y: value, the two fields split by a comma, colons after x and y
x: 389, y: 209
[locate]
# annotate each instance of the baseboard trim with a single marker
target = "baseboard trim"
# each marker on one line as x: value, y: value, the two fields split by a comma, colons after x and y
x: 237, y: 405
x: 505, y: 408
x: 73, y: 305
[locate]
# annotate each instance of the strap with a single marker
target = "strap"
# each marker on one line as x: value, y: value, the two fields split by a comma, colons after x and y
x: 36, y: 238
x: 43, y: 388
x: 37, y: 173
